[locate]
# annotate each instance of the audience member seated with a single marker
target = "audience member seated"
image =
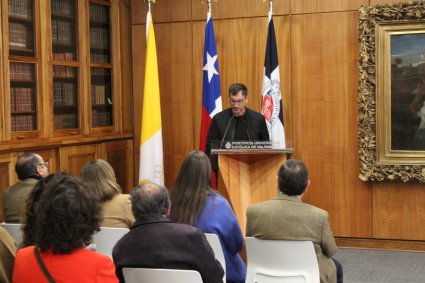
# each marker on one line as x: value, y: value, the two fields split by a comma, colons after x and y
x: 66, y: 215
x: 286, y: 217
x: 7, y: 256
x: 156, y: 242
x: 30, y: 168
x: 194, y: 203
x: 100, y: 176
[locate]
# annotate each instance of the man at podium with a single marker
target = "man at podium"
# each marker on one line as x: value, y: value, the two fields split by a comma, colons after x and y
x: 236, y: 123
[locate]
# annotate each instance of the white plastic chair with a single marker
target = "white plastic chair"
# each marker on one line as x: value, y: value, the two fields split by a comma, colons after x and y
x: 151, y: 275
x: 106, y: 238
x: 278, y: 261
x: 215, y: 244
x: 14, y: 230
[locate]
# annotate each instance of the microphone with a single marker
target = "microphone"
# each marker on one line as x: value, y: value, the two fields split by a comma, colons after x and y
x: 246, y: 127
x: 225, y: 132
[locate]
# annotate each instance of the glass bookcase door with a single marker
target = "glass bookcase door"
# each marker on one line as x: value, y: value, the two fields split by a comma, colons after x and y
x: 100, y: 33
x: 23, y: 102
x: 65, y: 98
x: 101, y: 97
x: 21, y: 28
x: 64, y: 30
x: 101, y: 65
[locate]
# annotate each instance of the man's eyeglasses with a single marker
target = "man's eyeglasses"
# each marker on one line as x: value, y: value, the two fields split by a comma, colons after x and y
x: 44, y: 164
x: 239, y: 101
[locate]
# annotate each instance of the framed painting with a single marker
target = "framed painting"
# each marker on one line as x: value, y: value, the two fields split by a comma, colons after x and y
x: 392, y: 92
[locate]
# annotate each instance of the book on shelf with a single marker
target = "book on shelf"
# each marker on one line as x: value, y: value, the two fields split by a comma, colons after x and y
x: 99, y: 38
x: 21, y: 71
x: 63, y: 32
x: 101, y: 118
x: 20, y: 36
x: 21, y: 123
x: 100, y: 94
x: 63, y: 72
x: 63, y: 7
x: 99, y: 14
x: 65, y: 121
x: 21, y: 8
x: 64, y: 93
x: 64, y: 56
x: 22, y: 99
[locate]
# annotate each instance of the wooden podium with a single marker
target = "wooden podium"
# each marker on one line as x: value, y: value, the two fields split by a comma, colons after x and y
x: 248, y: 176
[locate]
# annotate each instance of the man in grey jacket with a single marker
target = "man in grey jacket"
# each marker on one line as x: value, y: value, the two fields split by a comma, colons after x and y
x: 286, y: 217
x: 30, y: 167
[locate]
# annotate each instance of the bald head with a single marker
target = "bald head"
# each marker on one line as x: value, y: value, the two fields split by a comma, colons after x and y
x: 30, y: 165
x: 150, y: 199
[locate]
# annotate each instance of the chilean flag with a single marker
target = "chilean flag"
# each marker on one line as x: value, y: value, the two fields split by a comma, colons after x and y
x: 211, y: 96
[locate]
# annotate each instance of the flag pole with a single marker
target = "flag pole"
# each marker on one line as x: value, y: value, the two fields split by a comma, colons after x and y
x: 270, y: 9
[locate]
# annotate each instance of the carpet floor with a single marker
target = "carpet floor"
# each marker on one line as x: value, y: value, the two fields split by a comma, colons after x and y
x: 376, y: 266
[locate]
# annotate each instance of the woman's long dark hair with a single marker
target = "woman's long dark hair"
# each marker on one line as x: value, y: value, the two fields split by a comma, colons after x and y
x: 190, y: 189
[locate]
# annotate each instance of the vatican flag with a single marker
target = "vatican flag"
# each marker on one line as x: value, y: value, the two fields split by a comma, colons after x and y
x: 151, y: 152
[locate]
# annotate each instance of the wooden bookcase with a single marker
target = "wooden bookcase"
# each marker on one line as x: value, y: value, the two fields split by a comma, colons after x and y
x: 62, y: 85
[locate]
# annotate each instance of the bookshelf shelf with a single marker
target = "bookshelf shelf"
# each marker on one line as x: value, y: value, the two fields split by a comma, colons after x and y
x: 23, y: 112
x: 63, y: 17
x: 22, y: 20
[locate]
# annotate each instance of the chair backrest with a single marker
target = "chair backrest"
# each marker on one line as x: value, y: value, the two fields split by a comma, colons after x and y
x: 152, y: 275
x: 106, y: 239
x: 215, y: 244
x: 14, y: 230
x: 278, y: 261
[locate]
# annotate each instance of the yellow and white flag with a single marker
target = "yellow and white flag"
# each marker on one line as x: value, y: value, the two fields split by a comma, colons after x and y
x: 151, y: 153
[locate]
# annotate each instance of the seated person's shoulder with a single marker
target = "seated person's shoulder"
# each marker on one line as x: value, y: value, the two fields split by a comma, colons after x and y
x: 316, y: 210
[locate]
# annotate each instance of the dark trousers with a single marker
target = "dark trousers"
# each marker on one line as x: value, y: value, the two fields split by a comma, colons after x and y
x: 339, y: 272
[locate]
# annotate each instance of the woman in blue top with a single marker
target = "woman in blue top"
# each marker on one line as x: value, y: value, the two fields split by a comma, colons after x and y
x: 194, y: 203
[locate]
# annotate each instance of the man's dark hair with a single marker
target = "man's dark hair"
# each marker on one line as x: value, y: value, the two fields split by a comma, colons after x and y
x: 149, y: 199
x: 237, y: 87
x: 293, y: 177
x: 26, y: 166
x: 63, y: 214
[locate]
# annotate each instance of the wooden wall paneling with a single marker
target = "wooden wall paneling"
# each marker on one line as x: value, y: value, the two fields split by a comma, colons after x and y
x: 162, y: 11
x: 324, y: 95
x: 174, y: 46
x: 126, y: 57
x: 174, y: 51
x: 2, y: 82
x: 320, y: 6
x: 73, y: 158
x: 198, y: 37
x: 238, y: 8
x: 375, y: 2
x: 398, y: 211
x: 119, y: 155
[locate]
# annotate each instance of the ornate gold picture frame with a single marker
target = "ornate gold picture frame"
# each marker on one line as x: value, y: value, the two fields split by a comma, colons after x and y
x: 392, y: 92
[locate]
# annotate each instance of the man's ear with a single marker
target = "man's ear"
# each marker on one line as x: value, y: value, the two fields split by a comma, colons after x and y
x: 308, y: 186
x: 306, y: 189
x: 168, y: 211
x: 38, y: 170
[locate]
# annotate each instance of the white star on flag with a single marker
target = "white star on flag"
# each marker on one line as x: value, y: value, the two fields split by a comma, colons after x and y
x: 209, y: 66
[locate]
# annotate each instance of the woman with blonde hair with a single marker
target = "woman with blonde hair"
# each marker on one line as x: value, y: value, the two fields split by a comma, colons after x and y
x: 193, y: 202
x: 100, y: 176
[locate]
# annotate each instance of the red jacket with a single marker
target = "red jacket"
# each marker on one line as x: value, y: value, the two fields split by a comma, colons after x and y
x: 81, y: 266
